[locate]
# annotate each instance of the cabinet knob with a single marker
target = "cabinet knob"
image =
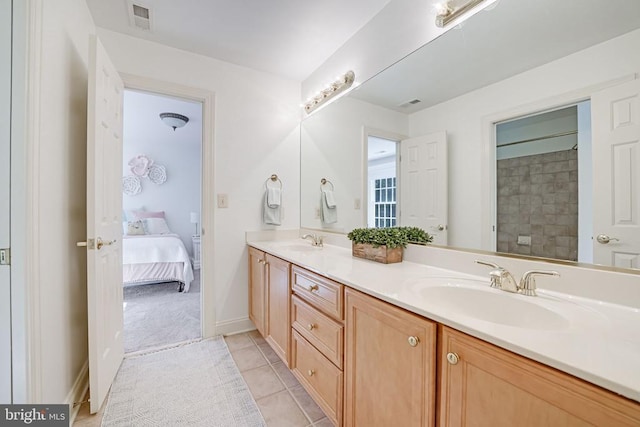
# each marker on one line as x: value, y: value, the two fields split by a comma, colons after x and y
x: 413, y: 341
x: 261, y: 261
x: 310, y: 372
x: 313, y: 288
x: 452, y: 358
x: 311, y: 326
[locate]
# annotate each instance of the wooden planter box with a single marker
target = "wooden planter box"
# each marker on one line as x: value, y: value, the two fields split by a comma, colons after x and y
x: 379, y: 254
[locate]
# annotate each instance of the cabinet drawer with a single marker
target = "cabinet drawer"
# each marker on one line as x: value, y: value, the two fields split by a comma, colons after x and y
x: 325, y: 334
x: 319, y: 377
x: 323, y: 293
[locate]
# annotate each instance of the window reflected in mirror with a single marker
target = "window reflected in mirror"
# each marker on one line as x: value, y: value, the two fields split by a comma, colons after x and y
x: 382, y: 182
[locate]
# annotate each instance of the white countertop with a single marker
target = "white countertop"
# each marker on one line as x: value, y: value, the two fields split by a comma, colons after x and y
x: 596, y: 341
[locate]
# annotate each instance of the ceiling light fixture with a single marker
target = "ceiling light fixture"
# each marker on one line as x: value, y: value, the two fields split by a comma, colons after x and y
x: 331, y: 91
x: 448, y: 11
x: 174, y: 120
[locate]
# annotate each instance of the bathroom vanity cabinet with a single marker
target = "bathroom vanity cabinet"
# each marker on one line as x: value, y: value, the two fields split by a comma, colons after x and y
x: 269, y: 299
x: 317, y: 328
x: 278, y: 298
x: 390, y: 365
x: 257, y: 289
x: 368, y: 362
x: 493, y: 387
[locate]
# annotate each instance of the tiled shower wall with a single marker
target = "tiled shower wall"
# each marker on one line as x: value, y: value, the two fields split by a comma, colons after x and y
x: 538, y: 197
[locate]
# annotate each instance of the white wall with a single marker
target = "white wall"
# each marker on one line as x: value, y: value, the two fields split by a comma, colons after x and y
x: 585, y: 184
x: 332, y: 147
x: 50, y: 170
x: 179, y: 151
x: 463, y: 117
x: 5, y: 210
x: 256, y: 134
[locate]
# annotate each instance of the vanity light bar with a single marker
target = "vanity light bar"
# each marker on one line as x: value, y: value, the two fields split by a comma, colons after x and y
x: 331, y: 91
x: 447, y: 13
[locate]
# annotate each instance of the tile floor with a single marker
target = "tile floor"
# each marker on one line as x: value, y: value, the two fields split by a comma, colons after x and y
x: 281, y: 399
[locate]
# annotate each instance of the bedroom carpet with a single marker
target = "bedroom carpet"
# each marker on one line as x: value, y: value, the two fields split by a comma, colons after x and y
x: 158, y: 315
x: 196, y: 384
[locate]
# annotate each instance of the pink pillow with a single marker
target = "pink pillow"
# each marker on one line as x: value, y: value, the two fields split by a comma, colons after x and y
x: 150, y: 214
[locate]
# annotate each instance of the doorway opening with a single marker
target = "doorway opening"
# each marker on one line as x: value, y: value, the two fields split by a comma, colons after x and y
x: 382, y: 182
x: 543, y: 183
x: 162, y: 199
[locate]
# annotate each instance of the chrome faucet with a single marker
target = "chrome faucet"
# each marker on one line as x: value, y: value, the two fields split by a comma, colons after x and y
x: 528, y: 281
x: 315, y: 239
x: 500, y: 277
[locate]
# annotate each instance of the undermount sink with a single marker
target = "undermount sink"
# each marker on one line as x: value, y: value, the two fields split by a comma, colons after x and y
x: 495, y: 306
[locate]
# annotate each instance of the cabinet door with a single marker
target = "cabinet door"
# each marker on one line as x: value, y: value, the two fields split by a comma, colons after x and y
x: 278, y: 325
x: 389, y: 365
x: 257, y: 290
x: 489, y: 386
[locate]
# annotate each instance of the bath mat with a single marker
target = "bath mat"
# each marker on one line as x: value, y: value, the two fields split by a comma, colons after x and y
x: 196, y: 384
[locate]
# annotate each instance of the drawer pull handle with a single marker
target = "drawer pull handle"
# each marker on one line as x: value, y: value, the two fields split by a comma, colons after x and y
x: 413, y: 341
x: 310, y: 372
x: 313, y: 288
x: 453, y: 358
x: 311, y: 326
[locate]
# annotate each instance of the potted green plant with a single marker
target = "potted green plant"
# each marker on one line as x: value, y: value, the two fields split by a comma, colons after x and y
x: 385, y: 245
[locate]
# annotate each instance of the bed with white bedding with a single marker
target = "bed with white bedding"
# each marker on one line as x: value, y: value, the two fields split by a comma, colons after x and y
x: 156, y: 258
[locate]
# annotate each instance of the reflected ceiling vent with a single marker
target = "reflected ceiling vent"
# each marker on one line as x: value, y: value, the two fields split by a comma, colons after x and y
x: 410, y: 103
x: 139, y: 16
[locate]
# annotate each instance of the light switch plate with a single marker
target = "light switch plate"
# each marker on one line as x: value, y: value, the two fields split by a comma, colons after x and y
x: 223, y: 200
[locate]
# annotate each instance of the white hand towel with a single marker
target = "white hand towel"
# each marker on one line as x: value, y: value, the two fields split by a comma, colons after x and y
x: 330, y: 200
x: 328, y: 215
x: 270, y: 215
x: 273, y: 197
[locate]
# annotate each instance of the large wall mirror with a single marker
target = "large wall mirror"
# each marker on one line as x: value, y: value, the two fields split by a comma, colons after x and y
x: 516, y: 131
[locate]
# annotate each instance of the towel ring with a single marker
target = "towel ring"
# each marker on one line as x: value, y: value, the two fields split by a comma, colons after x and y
x: 273, y: 178
x: 324, y: 181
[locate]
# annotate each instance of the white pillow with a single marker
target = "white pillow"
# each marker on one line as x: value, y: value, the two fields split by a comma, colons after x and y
x: 156, y: 226
x: 135, y: 228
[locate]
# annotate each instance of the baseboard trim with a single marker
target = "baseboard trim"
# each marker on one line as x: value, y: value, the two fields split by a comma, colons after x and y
x: 234, y: 326
x: 77, y: 392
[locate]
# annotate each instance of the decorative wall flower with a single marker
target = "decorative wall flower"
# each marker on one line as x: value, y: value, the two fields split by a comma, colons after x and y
x: 157, y: 174
x: 131, y: 185
x: 140, y: 165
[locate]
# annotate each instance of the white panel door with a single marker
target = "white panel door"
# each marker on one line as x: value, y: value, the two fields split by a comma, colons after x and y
x: 104, y: 222
x: 615, y: 116
x: 424, y: 184
x: 5, y: 211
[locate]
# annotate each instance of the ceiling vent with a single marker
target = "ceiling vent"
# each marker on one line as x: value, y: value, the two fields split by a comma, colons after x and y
x: 409, y: 103
x: 139, y: 16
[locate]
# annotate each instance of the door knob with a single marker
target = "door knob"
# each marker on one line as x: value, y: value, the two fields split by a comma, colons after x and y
x: 100, y: 243
x: 604, y: 239
x: 453, y: 358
